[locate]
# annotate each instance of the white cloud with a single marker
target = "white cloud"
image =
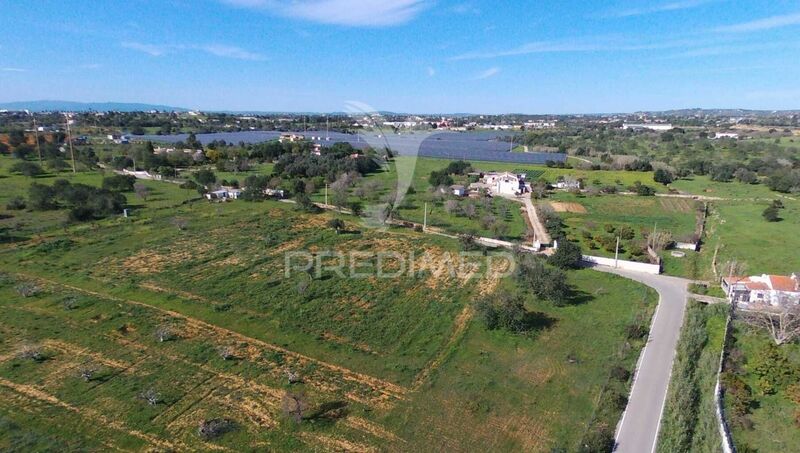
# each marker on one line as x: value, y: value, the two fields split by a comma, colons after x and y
x: 491, y: 72
x: 231, y: 52
x: 218, y: 50
x: 150, y: 49
x: 733, y: 49
x: 582, y: 45
x: 13, y: 70
x: 431, y: 71
x: 762, y: 24
x: 661, y: 8
x: 357, y: 13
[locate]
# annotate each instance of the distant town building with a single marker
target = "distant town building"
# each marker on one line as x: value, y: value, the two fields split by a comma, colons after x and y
x: 119, y: 139
x: 730, y: 135
x: 291, y: 138
x: 540, y: 124
x: 647, y: 126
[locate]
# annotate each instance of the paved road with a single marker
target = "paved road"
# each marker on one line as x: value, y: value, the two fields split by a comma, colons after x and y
x: 637, y: 431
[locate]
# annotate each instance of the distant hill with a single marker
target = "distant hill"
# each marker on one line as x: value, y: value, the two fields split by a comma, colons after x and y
x: 723, y: 112
x: 70, y: 106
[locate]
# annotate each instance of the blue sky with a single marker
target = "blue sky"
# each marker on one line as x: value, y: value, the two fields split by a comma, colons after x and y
x: 485, y: 56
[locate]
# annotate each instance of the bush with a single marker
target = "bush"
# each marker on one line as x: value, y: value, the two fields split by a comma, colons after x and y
x: 568, y: 255
x: 16, y: 204
x: 663, y: 176
x: 640, y: 189
x: 771, y: 214
x: 28, y: 290
x: 546, y: 282
x: 26, y: 169
x: 214, y: 428
x: 119, y: 183
x: 503, y: 310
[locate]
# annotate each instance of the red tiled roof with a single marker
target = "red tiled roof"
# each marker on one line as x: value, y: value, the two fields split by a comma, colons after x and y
x: 756, y: 286
x: 782, y: 283
x: 733, y: 280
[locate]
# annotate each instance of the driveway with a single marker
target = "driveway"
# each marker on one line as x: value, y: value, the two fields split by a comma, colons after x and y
x: 637, y: 431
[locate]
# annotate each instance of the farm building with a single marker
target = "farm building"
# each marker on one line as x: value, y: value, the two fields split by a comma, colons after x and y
x: 458, y: 190
x: 763, y: 290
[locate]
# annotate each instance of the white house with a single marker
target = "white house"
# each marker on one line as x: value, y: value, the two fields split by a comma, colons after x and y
x: 506, y: 183
x: 730, y: 135
x: 763, y: 290
x: 224, y: 193
x: 277, y: 193
x: 567, y: 183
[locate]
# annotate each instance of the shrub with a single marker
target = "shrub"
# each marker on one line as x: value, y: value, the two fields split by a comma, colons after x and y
x: 119, y: 183
x: 771, y: 214
x: 568, y: 255
x: 28, y: 290
x: 16, y: 204
x: 504, y: 310
x: 663, y: 176
x: 214, y: 428
x: 26, y: 169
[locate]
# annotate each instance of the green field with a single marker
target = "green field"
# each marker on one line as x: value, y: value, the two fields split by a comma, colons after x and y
x: 391, y: 364
x: 743, y: 235
x: 704, y: 186
x: 642, y: 214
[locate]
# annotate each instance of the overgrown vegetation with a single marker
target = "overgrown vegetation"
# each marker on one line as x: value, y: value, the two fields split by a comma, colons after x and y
x: 689, y: 422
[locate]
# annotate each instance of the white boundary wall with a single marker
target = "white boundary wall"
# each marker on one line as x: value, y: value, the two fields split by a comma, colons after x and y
x: 654, y: 269
x: 724, y: 431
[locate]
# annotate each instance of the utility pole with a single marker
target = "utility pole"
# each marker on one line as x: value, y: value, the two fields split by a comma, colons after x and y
x: 616, y: 254
x: 425, y: 218
x: 326, y: 194
x: 71, y: 150
x: 36, y: 135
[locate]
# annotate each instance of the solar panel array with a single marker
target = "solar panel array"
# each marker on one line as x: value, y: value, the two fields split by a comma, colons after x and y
x: 480, y: 146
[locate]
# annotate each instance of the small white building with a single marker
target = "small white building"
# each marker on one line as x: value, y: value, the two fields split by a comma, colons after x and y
x: 224, y: 194
x: 730, y: 135
x: 768, y: 291
x: 277, y: 193
x: 458, y: 190
x: 567, y: 184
